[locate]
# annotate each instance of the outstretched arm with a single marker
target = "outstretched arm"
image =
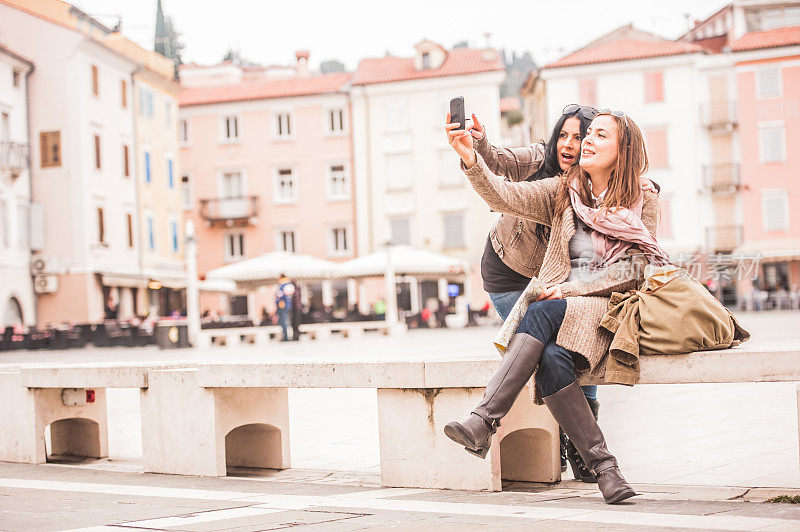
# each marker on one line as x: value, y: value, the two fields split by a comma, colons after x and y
x: 515, y: 164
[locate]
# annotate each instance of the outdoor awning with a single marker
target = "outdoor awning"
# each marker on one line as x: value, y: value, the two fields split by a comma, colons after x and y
x: 123, y: 280
x: 224, y: 286
x: 267, y: 268
x: 779, y: 249
x: 406, y: 260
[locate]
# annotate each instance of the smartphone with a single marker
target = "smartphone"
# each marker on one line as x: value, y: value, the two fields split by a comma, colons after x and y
x: 457, y: 112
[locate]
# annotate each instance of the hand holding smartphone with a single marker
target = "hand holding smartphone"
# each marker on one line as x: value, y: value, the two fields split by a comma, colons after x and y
x: 457, y: 113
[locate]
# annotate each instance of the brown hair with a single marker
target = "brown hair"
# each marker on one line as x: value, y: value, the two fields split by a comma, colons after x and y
x: 624, y: 185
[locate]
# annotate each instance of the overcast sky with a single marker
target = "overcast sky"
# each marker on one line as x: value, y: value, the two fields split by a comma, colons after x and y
x: 269, y: 32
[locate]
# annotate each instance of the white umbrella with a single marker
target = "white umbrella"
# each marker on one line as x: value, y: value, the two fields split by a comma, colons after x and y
x: 406, y: 260
x: 267, y: 268
x: 217, y: 285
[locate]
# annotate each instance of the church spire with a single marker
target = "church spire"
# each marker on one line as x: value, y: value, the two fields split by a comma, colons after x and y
x: 162, y: 41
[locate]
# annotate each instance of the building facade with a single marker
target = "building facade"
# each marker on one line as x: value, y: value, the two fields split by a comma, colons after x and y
x: 266, y: 165
x: 408, y: 183
x: 17, y: 301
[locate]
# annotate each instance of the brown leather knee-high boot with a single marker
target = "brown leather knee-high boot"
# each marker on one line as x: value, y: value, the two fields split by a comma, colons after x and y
x: 572, y: 412
x: 516, y: 368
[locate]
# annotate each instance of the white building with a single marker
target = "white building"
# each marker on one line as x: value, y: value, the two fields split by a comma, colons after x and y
x: 655, y: 82
x: 82, y: 132
x: 16, y: 290
x: 408, y: 185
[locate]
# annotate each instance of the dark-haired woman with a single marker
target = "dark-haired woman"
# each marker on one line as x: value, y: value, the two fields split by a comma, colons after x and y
x: 560, y: 337
x: 515, y: 246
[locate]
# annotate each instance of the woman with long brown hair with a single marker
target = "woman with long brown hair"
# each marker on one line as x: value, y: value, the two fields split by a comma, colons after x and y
x: 602, y: 231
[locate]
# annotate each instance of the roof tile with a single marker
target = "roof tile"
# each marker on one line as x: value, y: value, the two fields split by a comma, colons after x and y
x: 625, y: 50
x: 755, y: 40
x: 264, y: 89
x: 459, y: 61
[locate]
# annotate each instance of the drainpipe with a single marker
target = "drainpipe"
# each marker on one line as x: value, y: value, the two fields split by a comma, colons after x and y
x: 30, y: 173
x: 137, y: 185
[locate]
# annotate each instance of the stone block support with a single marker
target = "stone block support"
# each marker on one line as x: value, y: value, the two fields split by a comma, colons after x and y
x: 191, y: 430
x: 414, y: 452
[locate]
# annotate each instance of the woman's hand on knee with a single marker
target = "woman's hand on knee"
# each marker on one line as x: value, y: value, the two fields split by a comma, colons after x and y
x: 554, y: 292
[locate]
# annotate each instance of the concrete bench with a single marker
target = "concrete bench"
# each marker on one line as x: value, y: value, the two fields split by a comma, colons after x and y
x: 32, y: 396
x: 200, y: 419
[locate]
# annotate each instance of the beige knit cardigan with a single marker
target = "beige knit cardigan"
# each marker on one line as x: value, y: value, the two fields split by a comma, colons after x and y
x: 587, y: 301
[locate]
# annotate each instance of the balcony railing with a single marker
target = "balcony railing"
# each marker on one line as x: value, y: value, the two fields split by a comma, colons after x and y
x: 723, y: 237
x: 14, y: 158
x: 240, y: 208
x: 721, y: 178
x: 719, y: 114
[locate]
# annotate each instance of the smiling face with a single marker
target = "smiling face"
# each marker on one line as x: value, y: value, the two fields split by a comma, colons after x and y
x: 569, y: 142
x: 600, y: 146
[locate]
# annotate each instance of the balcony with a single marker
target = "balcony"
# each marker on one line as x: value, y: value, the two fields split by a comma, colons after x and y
x: 230, y: 210
x: 14, y: 158
x: 719, y: 114
x: 723, y: 238
x: 721, y: 179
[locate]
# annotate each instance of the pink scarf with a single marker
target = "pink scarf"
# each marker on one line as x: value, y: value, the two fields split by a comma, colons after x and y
x: 615, y: 231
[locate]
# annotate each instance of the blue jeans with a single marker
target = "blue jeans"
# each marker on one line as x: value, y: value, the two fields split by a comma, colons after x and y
x: 503, y: 303
x: 283, y: 321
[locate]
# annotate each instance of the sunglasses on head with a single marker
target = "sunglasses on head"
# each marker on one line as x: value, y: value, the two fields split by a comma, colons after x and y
x: 587, y: 111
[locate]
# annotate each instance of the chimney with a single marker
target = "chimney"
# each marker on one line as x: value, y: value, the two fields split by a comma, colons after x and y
x: 302, y: 62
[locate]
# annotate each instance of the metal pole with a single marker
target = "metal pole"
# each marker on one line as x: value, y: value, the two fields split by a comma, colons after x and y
x: 391, y: 289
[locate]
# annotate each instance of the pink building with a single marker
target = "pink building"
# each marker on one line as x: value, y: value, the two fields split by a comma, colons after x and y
x: 768, y: 87
x: 266, y: 165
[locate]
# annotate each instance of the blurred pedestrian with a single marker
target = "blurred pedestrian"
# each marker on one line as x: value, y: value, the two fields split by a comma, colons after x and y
x: 283, y: 302
x: 297, y: 312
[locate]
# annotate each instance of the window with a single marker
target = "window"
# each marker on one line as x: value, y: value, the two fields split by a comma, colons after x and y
x: 95, y: 81
x: 183, y: 132
x: 337, y: 182
x: 234, y: 246
x: 50, y: 148
x: 775, y: 208
x: 772, y: 144
x: 768, y: 81
x: 338, y: 241
x: 654, y: 86
x: 286, y: 240
x: 170, y: 174
x: 148, y: 177
x: 4, y: 222
x: 151, y: 233
x: 230, y: 128
x: 22, y: 226
x: 587, y: 91
x: 16, y: 76
x: 167, y: 112
x: 398, y: 171
x: 285, y: 188
x: 129, y: 226
x: 396, y: 116
x: 126, y: 167
x: 146, y: 102
x: 335, y: 121
x: 97, y: 152
x: 449, y: 172
x: 400, y: 230
x: 186, y: 192
x: 283, y: 125
x: 453, y: 230
x: 123, y: 94
x: 426, y: 60
x: 101, y: 226
x: 173, y: 235
x: 657, y: 152
x: 232, y: 185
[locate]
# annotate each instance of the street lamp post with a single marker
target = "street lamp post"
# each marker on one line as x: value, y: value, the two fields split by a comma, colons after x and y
x: 192, y: 291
